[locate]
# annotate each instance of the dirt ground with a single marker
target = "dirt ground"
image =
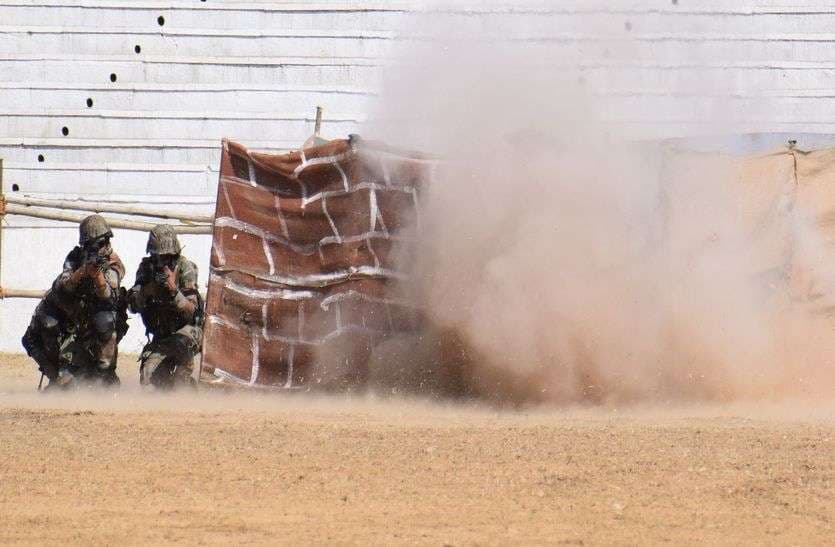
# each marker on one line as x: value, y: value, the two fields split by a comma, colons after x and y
x: 136, y: 468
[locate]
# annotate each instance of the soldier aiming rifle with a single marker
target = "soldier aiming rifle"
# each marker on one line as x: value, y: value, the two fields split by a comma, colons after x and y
x: 165, y: 294
x: 76, y: 328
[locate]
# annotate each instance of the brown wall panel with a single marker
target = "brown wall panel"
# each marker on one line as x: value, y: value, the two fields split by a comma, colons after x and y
x: 301, y: 287
x: 228, y: 349
x: 245, y: 251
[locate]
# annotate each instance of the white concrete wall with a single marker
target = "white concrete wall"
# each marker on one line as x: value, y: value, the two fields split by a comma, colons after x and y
x: 250, y: 71
x: 255, y: 70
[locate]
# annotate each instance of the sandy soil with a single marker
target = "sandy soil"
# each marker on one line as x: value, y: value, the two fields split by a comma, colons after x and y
x: 134, y: 468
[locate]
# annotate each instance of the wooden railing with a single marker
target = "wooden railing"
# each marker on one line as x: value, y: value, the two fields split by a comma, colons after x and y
x: 55, y: 209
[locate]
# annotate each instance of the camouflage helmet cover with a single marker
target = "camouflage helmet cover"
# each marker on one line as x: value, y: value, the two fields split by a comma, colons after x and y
x: 92, y: 228
x: 163, y: 241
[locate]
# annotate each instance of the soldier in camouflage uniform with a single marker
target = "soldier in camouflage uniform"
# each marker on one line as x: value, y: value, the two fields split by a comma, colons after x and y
x: 76, y: 328
x: 166, y: 295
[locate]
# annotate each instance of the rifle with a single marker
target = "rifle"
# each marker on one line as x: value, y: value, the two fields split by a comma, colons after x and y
x: 159, y: 263
x: 161, y: 278
x: 92, y: 255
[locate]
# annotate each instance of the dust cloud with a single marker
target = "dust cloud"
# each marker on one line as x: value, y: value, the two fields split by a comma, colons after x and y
x: 572, y: 261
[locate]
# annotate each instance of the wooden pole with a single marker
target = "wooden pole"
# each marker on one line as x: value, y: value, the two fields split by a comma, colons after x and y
x: 21, y: 293
x: 24, y: 210
x: 318, y: 126
x: 31, y: 293
x: 103, y: 207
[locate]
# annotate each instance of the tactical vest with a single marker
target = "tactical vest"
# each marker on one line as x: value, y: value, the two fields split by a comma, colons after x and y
x: 160, y: 316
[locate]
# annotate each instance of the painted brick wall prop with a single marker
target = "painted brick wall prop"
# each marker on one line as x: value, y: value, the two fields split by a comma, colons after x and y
x: 303, y: 262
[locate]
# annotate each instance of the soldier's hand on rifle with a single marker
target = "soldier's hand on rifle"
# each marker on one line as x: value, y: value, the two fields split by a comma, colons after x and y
x: 160, y: 278
x: 170, y: 280
x: 91, y: 270
x: 77, y: 275
x: 97, y: 275
x: 164, y: 277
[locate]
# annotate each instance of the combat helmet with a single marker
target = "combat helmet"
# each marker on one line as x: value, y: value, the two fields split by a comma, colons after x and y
x: 92, y: 228
x: 163, y: 241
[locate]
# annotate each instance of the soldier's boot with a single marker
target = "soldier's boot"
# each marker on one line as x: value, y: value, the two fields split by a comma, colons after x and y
x: 66, y: 379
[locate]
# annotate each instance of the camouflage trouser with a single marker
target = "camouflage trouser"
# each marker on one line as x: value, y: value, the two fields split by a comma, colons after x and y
x: 44, y: 339
x: 91, y: 356
x: 167, y: 361
x: 68, y: 351
x: 88, y: 356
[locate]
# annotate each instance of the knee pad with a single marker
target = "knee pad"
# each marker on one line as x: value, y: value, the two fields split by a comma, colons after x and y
x: 50, y: 333
x: 104, y: 322
x: 49, y: 323
x: 43, y: 329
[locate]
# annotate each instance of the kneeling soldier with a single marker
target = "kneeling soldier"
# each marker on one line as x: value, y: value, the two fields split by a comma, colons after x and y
x: 166, y: 295
x: 76, y: 328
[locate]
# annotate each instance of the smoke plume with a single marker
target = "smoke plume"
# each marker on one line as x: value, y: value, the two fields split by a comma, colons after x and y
x: 573, y: 261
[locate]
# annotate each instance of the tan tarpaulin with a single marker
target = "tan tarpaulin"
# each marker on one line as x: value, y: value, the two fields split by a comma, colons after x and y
x: 738, y: 204
x: 778, y: 209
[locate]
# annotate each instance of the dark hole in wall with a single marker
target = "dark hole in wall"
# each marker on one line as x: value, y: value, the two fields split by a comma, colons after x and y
x: 15, y: 187
x: 89, y: 102
x: 65, y: 130
x: 161, y: 20
x: 113, y: 77
x: 40, y: 158
x: 137, y: 48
